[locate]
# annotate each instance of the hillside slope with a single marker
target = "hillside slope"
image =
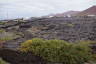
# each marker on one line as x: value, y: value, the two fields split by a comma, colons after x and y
x: 89, y: 11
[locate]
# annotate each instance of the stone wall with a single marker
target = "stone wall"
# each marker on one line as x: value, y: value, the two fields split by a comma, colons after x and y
x: 17, y: 57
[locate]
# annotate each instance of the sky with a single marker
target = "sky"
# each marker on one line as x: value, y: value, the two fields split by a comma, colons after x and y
x: 36, y: 8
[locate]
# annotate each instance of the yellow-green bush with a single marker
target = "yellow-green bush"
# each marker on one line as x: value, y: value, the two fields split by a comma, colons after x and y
x: 58, y: 50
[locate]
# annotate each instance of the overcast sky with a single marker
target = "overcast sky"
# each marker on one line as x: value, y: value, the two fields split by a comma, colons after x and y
x: 30, y: 8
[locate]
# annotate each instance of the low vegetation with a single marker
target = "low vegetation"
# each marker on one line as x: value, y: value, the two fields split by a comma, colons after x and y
x: 71, y: 25
x: 2, y: 30
x: 59, y: 51
x: 5, y: 38
x: 2, y: 61
x: 2, y: 23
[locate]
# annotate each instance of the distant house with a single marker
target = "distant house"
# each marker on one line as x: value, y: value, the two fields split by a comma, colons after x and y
x: 69, y: 15
x: 91, y: 15
x: 27, y: 18
x: 50, y: 16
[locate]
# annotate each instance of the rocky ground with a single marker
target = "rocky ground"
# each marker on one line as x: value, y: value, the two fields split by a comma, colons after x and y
x: 70, y: 29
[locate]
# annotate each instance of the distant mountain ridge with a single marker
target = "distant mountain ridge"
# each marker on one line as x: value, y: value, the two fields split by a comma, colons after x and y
x: 63, y: 14
x: 67, y: 13
x: 90, y: 11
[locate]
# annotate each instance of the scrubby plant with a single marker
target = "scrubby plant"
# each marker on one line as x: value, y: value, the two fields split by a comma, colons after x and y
x: 2, y: 61
x: 2, y: 30
x: 58, y: 50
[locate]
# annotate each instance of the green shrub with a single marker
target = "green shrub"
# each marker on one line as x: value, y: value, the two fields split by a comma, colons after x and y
x: 2, y: 62
x: 58, y: 50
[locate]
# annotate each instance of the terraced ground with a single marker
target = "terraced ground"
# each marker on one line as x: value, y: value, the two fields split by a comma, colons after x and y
x: 70, y: 29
